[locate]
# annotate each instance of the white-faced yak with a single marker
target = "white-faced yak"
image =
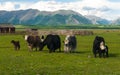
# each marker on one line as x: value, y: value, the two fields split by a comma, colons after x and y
x: 70, y: 43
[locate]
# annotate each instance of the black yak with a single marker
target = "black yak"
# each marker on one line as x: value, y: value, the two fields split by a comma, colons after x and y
x: 16, y: 44
x: 53, y: 42
x: 99, y: 47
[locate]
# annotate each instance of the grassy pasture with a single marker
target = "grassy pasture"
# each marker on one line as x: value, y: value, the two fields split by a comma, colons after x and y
x: 82, y: 62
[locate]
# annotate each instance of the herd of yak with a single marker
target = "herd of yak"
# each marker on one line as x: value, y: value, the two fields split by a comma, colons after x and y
x: 53, y: 42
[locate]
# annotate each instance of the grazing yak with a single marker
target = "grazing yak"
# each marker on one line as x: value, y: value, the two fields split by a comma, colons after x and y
x: 16, y: 44
x: 52, y: 42
x: 33, y: 41
x: 99, y: 47
x: 70, y: 43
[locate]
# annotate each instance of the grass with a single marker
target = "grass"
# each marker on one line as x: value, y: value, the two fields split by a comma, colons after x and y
x: 82, y: 62
x: 83, y: 26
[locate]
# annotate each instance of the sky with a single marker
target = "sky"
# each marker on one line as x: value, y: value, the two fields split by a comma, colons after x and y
x: 108, y: 9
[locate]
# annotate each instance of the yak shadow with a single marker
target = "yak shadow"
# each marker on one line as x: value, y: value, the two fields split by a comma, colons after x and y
x: 75, y: 52
x: 62, y: 51
x: 83, y: 52
x: 113, y: 55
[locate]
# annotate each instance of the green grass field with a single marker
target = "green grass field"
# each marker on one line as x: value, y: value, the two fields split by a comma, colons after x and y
x: 82, y: 62
x: 69, y: 26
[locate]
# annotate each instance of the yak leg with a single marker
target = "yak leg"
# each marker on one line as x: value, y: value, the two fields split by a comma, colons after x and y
x: 100, y: 53
x: 30, y: 48
x: 107, y: 53
x: 103, y: 54
x: 51, y: 48
x: 36, y: 48
x: 19, y: 48
x: 95, y: 52
x: 65, y: 49
x: 59, y: 49
x: 95, y: 55
x: 15, y: 48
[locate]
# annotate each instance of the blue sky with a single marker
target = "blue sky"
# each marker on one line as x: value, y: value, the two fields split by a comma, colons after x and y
x: 49, y: 0
x: 114, y: 0
x: 39, y: 0
x: 108, y: 9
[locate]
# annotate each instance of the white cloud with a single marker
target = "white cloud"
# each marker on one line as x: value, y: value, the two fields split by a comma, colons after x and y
x: 101, y: 8
x: 7, y: 6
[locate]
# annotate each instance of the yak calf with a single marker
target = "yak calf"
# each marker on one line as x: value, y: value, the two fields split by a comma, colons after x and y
x: 16, y: 44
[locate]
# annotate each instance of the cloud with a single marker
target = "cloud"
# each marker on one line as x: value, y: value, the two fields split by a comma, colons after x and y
x: 46, y: 6
x: 104, y: 9
x: 100, y: 8
x: 17, y: 6
x: 88, y: 8
x: 6, y: 6
x: 10, y: 5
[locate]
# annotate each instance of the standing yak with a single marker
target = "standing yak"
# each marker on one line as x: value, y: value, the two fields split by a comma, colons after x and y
x: 16, y: 44
x: 33, y: 41
x: 70, y: 43
x: 53, y: 42
x: 99, y: 47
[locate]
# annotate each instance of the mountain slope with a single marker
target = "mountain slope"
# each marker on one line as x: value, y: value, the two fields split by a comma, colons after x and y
x: 116, y: 22
x: 97, y: 20
x: 35, y: 17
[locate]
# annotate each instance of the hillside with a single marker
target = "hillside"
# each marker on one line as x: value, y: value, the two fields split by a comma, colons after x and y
x: 97, y: 20
x: 116, y: 22
x: 35, y: 17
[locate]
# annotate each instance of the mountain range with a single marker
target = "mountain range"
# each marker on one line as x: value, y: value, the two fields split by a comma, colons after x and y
x: 97, y: 20
x: 60, y: 17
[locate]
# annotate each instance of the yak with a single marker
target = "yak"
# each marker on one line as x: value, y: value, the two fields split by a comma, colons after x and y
x: 99, y: 47
x: 70, y: 43
x: 52, y: 42
x: 33, y: 41
x: 16, y: 44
